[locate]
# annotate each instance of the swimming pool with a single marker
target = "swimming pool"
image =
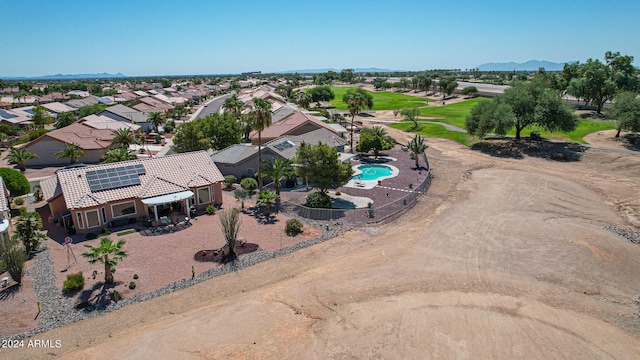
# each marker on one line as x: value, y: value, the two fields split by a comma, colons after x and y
x: 374, y: 172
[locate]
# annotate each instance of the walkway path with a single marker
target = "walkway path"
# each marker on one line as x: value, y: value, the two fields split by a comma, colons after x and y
x: 447, y: 126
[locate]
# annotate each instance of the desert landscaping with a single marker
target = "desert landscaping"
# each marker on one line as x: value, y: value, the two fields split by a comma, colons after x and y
x: 503, y: 258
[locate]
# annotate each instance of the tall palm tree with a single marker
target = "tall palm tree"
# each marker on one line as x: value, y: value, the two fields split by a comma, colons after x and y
x: 230, y: 223
x: 71, y: 151
x: 277, y: 171
x: 156, y: 119
x: 418, y: 147
x: 65, y: 119
x: 261, y: 116
x: 356, y: 100
x: 119, y: 154
x: 20, y: 157
x: 234, y: 106
x: 122, y: 138
x: 108, y: 253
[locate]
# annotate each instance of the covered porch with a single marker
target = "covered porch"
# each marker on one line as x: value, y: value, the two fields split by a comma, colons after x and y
x: 163, y: 207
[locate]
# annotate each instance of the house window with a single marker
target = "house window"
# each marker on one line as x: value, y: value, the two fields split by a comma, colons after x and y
x: 123, y: 209
x: 80, y: 221
x: 93, y: 219
x: 204, y: 195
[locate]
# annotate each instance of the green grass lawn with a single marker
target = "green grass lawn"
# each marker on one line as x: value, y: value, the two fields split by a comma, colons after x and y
x: 584, y: 128
x: 453, y: 114
x: 382, y: 100
x: 433, y: 131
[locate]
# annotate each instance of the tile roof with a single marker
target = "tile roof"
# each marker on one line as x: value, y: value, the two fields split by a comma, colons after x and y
x: 285, y: 126
x: 234, y: 154
x: 126, y: 112
x: 286, y: 146
x: 164, y: 175
x: 50, y: 187
x: 80, y: 103
x: 58, y: 107
x: 104, y: 122
x: 86, y: 137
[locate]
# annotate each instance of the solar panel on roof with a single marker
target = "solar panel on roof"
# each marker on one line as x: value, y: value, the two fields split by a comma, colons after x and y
x: 7, y: 115
x: 112, y: 178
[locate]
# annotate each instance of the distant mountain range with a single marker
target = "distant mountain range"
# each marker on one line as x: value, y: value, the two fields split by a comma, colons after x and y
x: 531, y: 65
x: 318, y: 71
x: 69, y: 77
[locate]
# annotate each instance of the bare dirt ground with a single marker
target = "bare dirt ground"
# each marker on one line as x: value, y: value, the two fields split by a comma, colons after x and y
x: 503, y: 258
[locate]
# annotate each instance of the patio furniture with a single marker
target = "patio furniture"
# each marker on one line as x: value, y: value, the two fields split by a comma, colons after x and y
x: 5, y: 281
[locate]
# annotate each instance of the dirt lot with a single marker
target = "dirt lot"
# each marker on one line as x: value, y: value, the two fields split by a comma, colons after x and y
x: 504, y: 258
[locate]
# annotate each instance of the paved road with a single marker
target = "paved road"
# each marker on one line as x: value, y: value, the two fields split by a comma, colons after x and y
x: 213, y: 106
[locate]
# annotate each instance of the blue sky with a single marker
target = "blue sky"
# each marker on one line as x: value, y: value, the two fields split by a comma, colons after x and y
x: 219, y: 37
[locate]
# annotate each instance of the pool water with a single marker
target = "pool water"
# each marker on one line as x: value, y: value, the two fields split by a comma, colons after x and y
x: 373, y: 172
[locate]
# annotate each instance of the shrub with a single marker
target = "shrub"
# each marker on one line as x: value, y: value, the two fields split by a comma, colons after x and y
x: 293, y: 227
x: 74, y: 282
x: 16, y: 182
x: 34, y: 134
x: 559, y: 156
x: 168, y: 128
x: 14, y: 259
x: 18, y: 201
x: 319, y: 200
x: 91, y: 236
x: 135, y: 276
x: 229, y: 180
x: 132, y: 285
x: 116, y: 295
x: 249, y: 184
x: 210, y: 210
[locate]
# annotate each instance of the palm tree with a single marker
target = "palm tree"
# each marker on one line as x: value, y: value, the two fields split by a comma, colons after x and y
x: 65, y: 119
x: 261, y: 116
x: 356, y: 100
x: 277, y: 171
x: 122, y: 138
x: 103, y: 253
x: 267, y: 198
x: 303, y: 98
x: 230, y: 225
x: 156, y: 119
x: 20, y: 157
x: 71, y: 151
x: 417, y: 147
x: 234, y: 106
x: 119, y: 154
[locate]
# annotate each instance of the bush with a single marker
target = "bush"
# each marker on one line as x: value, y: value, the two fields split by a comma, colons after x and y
x: 293, y: 227
x: 168, y: 128
x: 14, y: 259
x: 74, y: 282
x: 229, y: 180
x: 319, y: 200
x: 135, y: 276
x: 249, y: 184
x: 18, y: 201
x: 34, y: 134
x: 91, y: 236
x: 16, y: 182
x: 132, y: 285
x: 210, y: 210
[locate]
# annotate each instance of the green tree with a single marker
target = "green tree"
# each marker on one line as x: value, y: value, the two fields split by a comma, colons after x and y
x: 356, y: 99
x: 188, y: 137
x: 242, y: 195
x: 15, y: 181
x: 623, y: 73
x: 249, y: 184
x: 178, y: 112
x: 521, y: 106
x: 447, y: 85
x: 229, y: 180
x: 234, y: 106
x: 347, y: 75
x: 320, y: 165
x: 230, y: 224
x: 72, y: 152
x: 417, y: 148
x: 470, y: 91
x: 20, y: 157
x: 28, y: 231
x: 40, y: 116
x: 380, y: 83
x: 156, y: 119
x: 626, y: 111
x: 598, y: 85
x: 90, y: 110
x: 425, y: 82
x: 221, y: 131
x: 303, y: 98
x: 375, y: 139
x: 65, y: 119
x: 261, y: 116
x: 267, y: 199
x: 277, y: 170
x: 411, y: 114
x: 119, y: 154
x: 321, y: 93
x: 122, y: 138
x: 108, y: 253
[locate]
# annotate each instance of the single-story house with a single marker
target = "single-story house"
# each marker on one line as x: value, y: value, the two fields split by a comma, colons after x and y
x: 151, y: 104
x: 128, y: 115
x: 296, y: 124
x: 80, y: 103
x: 56, y: 108
x: 90, y: 198
x: 94, y: 142
x: 104, y: 122
x: 15, y: 118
